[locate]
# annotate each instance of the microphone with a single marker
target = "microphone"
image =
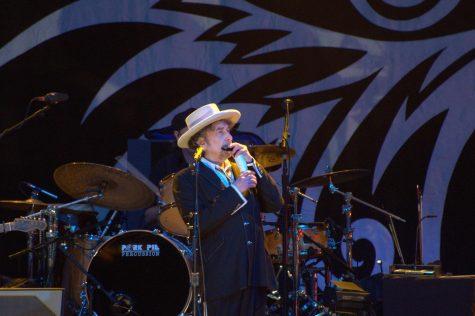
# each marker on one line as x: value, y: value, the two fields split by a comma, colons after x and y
x: 240, y: 160
x: 288, y: 104
x: 39, y: 190
x: 49, y: 99
x: 241, y: 163
x: 53, y: 97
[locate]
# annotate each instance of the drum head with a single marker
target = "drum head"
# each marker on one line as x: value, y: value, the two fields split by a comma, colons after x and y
x: 148, y: 268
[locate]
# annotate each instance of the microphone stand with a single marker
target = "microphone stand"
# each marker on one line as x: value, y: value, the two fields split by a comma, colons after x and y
x: 11, y: 129
x: 285, y: 214
x: 418, y: 251
x: 418, y: 257
x: 196, y: 244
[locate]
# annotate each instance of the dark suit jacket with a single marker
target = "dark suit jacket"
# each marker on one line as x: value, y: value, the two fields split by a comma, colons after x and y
x: 233, y: 250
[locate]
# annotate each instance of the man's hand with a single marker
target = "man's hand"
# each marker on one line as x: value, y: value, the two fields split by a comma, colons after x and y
x: 245, y: 181
x: 240, y: 149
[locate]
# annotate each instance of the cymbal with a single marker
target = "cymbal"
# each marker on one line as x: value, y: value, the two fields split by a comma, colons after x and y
x: 37, y: 205
x: 335, y: 177
x: 121, y: 191
x: 269, y: 155
x: 23, y: 205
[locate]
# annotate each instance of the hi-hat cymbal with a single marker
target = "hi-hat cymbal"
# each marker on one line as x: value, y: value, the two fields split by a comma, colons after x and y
x: 269, y: 155
x: 23, y: 205
x: 35, y: 205
x: 121, y: 191
x: 335, y: 177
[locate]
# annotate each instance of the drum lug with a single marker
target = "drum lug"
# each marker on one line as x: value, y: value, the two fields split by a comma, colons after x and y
x: 195, y: 279
x: 155, y: 231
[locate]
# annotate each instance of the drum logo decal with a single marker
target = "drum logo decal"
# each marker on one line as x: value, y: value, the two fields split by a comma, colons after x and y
x: 140, y: 250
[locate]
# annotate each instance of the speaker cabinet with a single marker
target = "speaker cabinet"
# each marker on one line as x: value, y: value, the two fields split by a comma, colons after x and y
x: 28, y: 302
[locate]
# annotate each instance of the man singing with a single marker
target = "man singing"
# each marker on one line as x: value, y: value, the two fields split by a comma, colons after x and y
x: 237, y: 271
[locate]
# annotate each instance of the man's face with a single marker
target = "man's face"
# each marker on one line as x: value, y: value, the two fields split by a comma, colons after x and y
x: 216, y: 137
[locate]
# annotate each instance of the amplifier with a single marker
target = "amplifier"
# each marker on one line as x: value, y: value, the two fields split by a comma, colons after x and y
x: 31, y: 301
x: 347, y: 298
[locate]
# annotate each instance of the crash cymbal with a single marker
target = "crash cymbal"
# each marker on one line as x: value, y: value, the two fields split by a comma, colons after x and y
x: 269, y: 155
x: 121, y: 190
x: 335, y: 177
x: 23, y: 205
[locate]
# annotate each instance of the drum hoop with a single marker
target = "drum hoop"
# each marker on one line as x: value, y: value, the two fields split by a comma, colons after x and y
x: 165, y: 179
x: 166, y: 207
x: 172, y: 241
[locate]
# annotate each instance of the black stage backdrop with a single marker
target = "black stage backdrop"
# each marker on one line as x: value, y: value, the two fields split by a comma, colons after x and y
x: 383, y: 85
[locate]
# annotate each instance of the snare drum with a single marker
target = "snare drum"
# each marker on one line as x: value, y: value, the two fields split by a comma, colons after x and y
x: 152, y: 270
x: 170, y: 218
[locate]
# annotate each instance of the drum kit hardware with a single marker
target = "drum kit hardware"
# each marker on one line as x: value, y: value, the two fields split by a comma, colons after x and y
x: 105, y: 273
x: 336, y: 177
x: 309, y: 241
x: 37, y: 205
x: 346, y: 210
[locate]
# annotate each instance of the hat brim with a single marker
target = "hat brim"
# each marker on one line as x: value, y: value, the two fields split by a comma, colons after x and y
x: 232, y: 115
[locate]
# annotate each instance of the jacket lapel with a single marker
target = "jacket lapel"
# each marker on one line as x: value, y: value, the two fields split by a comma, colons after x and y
x: 208, y: 174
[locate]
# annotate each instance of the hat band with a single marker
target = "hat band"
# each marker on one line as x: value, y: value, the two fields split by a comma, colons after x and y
x: 199, y: 119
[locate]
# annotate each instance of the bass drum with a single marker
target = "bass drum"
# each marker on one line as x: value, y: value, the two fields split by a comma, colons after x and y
x: 150, y: 270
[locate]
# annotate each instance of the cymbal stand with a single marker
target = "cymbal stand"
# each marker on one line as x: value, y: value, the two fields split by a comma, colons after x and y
x: 346, y: 209
x: 106, y: 228
x: 295, y: 191
x: 30, y: 244
x: 348, y: 196
x: 64, y: 205
x: 51, y: 235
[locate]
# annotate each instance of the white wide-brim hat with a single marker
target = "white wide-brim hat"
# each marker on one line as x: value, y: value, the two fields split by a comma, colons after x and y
x: 204, y: 116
